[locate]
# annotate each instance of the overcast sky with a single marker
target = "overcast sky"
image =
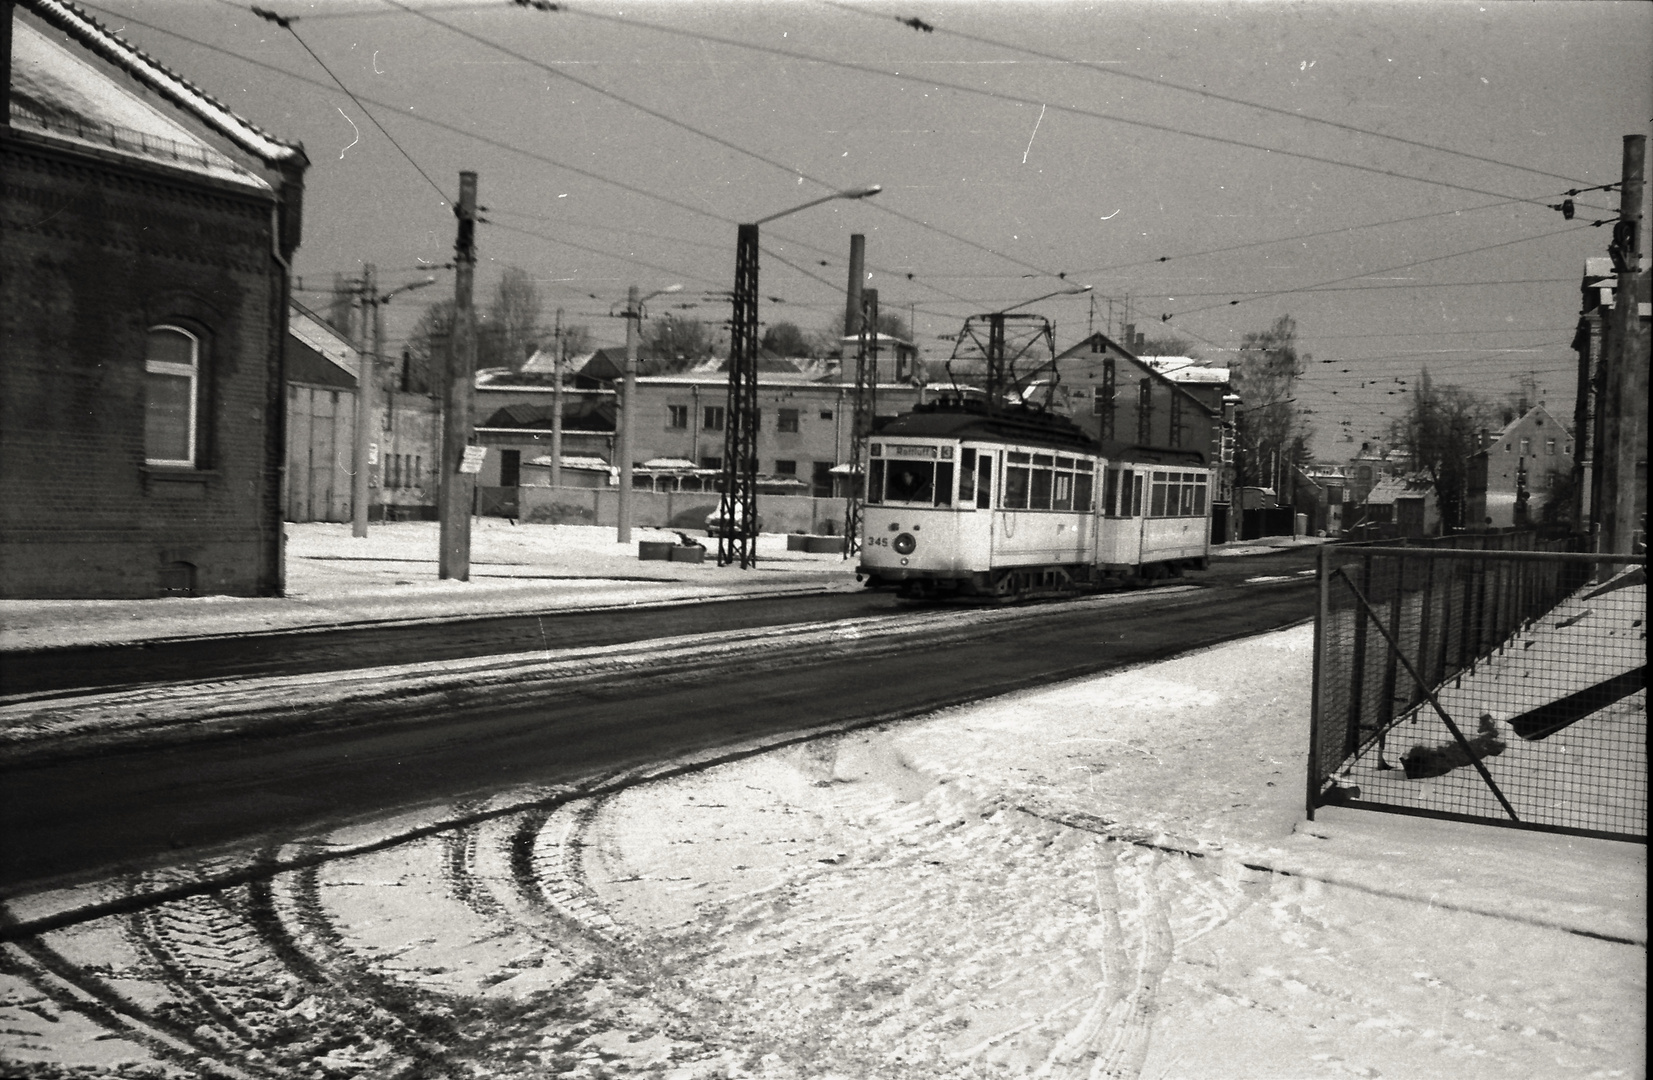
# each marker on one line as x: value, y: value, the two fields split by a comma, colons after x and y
x: 1382, y: 172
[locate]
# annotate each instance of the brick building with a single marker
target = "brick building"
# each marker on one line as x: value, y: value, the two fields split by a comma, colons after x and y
x: 143, y: 292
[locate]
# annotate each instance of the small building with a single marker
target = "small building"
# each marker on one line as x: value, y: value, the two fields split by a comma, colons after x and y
x: 143, y: 288
x: 1519, y: 470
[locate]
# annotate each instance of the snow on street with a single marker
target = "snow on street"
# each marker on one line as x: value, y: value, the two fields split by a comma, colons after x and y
x: 1105, y: 878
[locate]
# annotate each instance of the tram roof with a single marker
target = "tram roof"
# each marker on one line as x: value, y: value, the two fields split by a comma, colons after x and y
x: 941, y: 421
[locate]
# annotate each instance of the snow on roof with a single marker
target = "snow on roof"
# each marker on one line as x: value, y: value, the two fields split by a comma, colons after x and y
x: 308, y: 327
x: 1185, y: 369
x: 669, y: 463
x: 57, y: 93
x: 595, y: 464
x: 95, y: 38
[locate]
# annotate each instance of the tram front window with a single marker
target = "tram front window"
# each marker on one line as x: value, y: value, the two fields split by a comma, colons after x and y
x: 910, y: 482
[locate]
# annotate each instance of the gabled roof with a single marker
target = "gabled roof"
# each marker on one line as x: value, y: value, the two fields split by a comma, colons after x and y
x: 1100, y: 345
x: 91, y: 35
x: 316, y: 352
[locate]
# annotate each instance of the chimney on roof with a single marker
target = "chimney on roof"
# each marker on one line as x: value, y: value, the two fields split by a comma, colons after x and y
x: 1130, y: 336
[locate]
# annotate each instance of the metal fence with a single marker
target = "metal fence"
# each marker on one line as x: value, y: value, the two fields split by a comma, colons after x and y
x: 1500, y: 686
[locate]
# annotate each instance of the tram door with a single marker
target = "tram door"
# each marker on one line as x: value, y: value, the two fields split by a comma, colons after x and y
x: 1120, y: 535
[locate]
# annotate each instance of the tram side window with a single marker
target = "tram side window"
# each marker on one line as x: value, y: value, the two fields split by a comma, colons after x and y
x: 1110, y: 493
x: 1199, y: 497
x: 944, y: 483
x: 1016, y: 474
x: 984, y: 482
x: 967, y: 477
x: 1136, y: 493
x: 1157, y: 507
x: 911, y: 481
x: 1084, y: 487
x: 875, y: 480
x: 1039, y: 487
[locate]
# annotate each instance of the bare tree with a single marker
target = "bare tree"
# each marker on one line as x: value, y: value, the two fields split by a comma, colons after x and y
x: 509, y: 333
x: 787, y: 339
x: 676, y: 344
x: 1439, y: 432
x: 424, y: 349
x: 574, y: 340
x: 1271, y: 429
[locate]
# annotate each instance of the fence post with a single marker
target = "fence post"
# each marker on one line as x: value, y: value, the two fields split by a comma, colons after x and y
x: 1316, y: 705
x: 1357, y: 670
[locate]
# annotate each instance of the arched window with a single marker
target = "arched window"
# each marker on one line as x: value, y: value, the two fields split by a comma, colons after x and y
x: 172, y: 396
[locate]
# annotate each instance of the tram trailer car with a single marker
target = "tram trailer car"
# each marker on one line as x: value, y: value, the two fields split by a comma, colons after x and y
x: 963, y: 503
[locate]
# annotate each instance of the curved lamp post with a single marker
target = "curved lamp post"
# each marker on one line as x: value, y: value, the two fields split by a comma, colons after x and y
x: 738, y: 508
x: 628, y: 402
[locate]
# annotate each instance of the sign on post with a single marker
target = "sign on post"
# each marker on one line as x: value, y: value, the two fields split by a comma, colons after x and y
x: 474, y: 456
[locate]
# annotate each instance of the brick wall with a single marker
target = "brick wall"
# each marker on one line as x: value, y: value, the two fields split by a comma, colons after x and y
x: 96, y: 251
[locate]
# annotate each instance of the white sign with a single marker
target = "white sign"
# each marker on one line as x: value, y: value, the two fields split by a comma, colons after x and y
x: 474, y: 456
x: 372, y: 453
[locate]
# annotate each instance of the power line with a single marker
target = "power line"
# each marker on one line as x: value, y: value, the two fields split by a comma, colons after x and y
x: 1369, y: 273
x: 286, y: 23
x: 1014, y: 99
x: 1213, y: 95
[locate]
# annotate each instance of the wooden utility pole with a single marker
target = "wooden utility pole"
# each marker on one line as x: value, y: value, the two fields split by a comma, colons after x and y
x: 367, y: 367
x: 1622, y: 454
x: 456, y: 489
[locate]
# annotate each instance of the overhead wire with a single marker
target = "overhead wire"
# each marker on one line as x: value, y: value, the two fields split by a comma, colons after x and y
x: 1028, y: 101
x: 286, y: 23
x: 1159, y: 83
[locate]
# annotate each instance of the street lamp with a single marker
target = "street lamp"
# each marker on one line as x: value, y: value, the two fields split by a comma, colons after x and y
x: 628, y: 403
x: 738, y: 510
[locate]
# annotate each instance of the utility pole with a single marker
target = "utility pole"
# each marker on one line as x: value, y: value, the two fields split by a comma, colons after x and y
x: 628, y: 416
x: 456, y: 488
x: 556, y: 407
x: 737, y: 539
x: 865, y: 409
x: 1623, y: 402
x: 367, y: 368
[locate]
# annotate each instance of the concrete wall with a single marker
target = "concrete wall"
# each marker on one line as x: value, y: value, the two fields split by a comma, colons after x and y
x: 674, y: 510
x: 97, y: 250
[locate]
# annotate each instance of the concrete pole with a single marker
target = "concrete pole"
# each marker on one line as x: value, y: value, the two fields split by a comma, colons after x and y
x: 556, y: 409
x: 627, y: 416
x: 366, y: 369
x: 456, y: 490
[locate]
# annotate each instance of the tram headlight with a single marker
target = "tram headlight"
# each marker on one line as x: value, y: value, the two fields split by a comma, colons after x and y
x: 904, y: 544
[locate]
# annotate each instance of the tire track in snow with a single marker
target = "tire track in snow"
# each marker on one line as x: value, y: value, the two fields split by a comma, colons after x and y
x: 74, y: 989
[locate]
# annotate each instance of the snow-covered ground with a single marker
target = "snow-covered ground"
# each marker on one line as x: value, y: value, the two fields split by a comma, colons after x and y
x: 1106, y: 878
x: 391, y: 574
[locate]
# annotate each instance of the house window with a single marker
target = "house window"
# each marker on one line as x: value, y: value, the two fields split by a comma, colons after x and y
x: 1526, y: 447
x: 826, y: 414
x: 1549, y: 447
x: 172, y: 396
x: 677, y: 416
x: 788, y: 420
x: 713, y: 420
x: 711, y: 462
x: 784, y: 467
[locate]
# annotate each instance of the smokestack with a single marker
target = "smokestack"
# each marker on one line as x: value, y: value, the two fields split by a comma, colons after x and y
x: 1130, y: 336
x: 857, y: 271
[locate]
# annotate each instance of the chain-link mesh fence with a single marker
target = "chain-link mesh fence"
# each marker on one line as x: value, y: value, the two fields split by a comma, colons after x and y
x: 1491, y: 685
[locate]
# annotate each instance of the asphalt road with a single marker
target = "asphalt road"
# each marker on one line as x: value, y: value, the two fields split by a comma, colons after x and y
x: 78, y: 820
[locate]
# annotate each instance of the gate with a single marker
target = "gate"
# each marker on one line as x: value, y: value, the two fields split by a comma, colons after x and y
x: 1504, y: 687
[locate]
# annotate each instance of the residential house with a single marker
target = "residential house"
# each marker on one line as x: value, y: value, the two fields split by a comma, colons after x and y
x: 1518, y: 471
x: 148, y: 232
